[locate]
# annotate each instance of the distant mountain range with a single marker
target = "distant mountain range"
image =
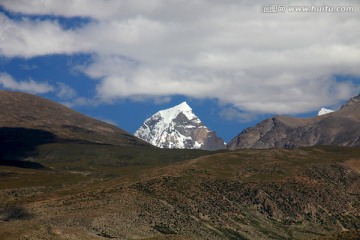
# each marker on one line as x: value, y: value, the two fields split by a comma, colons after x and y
x: 178, y: 127
x: 337, y: 128
x: 26, y: 120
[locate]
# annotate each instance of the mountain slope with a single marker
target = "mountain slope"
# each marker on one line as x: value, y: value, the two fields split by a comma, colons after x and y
x: 338, y: 128
x: 37, y: 133
x: 178, y: 127
x: 23, y: 114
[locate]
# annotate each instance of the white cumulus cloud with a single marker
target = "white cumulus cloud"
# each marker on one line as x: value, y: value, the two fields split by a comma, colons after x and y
x: 26, y: 38
x: 225, y: 50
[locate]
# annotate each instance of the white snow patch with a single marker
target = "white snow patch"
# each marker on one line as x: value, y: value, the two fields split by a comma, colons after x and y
x: 324, y: 111
x: 197, y: 145
x: 170, y: 114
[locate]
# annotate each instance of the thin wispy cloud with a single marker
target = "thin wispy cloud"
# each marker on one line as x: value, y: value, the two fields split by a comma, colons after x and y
x: 82, y: 101
x: 232, y: 114
x: 65, y: 92
x: 29, y: 86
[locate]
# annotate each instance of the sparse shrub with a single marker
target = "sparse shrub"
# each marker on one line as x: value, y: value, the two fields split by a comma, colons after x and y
x: 13, y: 213
x: 104, y: 234
x: 164, y: 229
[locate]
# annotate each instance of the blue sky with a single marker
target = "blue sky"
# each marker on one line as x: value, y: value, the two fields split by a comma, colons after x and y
x: 122, y: 61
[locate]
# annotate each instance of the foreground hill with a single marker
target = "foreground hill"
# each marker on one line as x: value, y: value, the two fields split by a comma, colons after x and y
x: 310, y: 193
x: 24, y: 114
x: 28, y: 122
x: 338, y: 128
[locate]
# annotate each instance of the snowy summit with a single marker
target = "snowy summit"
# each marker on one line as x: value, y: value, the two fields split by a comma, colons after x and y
x: 170, y: 114
x: 324, y: 111
x: 178, y: 127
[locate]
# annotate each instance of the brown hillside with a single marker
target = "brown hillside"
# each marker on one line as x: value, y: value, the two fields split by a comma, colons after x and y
x: 303, y: 194
x: 19, y: 111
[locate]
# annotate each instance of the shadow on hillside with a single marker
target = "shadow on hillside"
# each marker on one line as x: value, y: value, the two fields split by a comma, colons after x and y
x: 21, y: 164
x: 16, y: 144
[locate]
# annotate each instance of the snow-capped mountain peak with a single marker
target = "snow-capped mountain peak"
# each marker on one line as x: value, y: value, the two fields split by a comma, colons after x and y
x: 324, y: 111
x: 178, y: 127
x: 170, y: 114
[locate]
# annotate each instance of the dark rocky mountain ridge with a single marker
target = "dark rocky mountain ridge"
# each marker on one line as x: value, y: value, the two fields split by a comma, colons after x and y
x: 338, y: 128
